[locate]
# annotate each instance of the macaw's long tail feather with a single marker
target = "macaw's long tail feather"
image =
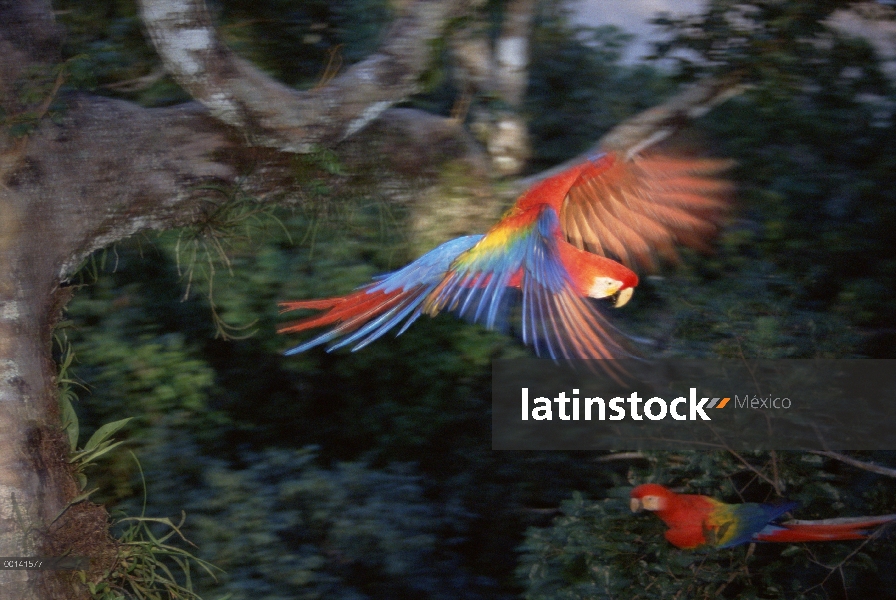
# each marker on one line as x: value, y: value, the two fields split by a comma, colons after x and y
x: 852, y: 528
x: 341, y: 309
x: 370, y: 311
x: 321, y: 304
x: 362, y: 316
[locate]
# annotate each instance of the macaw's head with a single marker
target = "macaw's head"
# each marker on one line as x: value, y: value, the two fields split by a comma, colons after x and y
x: 650, y: 496
x: 609, y: 278
x: 598, y: 276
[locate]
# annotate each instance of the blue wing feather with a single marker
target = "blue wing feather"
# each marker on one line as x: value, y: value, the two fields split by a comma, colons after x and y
x: 753, y: 518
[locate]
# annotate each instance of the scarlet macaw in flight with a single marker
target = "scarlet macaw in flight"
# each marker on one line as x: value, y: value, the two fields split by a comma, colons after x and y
x: 554, y: 246
x: 696, y: 521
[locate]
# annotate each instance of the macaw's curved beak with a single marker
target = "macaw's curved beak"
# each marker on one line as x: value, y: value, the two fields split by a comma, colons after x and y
x: 623, y: 296
x: 635, y: 505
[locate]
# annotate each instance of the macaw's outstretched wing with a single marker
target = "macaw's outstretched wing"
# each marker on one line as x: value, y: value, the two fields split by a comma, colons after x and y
x: 523, y: 251
x: 370, y: 311
x: 636, y: 209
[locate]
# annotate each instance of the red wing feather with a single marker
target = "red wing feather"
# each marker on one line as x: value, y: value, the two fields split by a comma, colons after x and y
x: 634, y: 210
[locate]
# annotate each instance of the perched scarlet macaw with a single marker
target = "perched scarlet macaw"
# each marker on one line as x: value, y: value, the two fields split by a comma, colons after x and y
x: 696, y: 521
x: 552, y: 245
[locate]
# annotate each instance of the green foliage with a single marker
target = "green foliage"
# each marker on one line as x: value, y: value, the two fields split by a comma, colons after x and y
x: 149, y: 563
x: 302, y: 43
x: 757, y: 314
x: 99, y: 444
x: 226, y: 222
x: 813, y: 143
x: 282, y: 527
x: 67, y: 395
x: 244, y: 397
x: 107, y: 52
x: 152, y: 376
x: 141, y: 569
x: 779, y: 45
x: 577, y: 88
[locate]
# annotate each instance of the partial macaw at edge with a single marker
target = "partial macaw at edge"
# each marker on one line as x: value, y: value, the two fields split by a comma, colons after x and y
x: 696, y: 521
x: 556, y: 245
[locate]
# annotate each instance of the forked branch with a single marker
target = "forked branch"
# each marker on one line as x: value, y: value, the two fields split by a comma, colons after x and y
x: 275, y: 115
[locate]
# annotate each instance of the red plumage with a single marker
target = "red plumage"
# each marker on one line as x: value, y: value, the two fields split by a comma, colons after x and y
x: 695, y: 520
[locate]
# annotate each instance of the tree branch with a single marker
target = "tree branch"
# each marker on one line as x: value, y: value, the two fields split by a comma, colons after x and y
x: 859, y: 464
x: 273, y: 114
x: 655, y: 124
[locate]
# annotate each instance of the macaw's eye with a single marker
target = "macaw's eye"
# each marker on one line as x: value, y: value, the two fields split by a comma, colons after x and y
x: 652, y: 503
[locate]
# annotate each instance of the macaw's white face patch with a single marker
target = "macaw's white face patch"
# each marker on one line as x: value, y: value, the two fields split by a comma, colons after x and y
x: 650, y: 503
x: 604, y: 287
